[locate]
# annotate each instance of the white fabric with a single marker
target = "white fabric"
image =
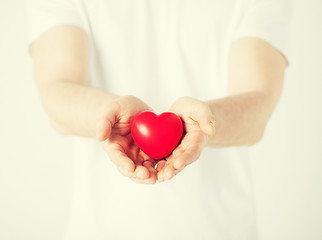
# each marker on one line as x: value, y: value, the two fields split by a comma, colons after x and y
x: 158, y: 51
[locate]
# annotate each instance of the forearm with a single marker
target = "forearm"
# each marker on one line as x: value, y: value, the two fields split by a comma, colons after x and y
x: 74, y: 109
x: 240, y: 119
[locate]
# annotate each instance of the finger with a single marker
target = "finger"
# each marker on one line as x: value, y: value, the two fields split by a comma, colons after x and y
x: 118, y: 157
x: 125, y: 173
x: 207, y: 126
x: 165, y: 171
x: 136, y: 170
x: 122, y: 129
x: 136, y: 179
x: 190, y: 149
x: 159, y: 168
x: 188, y: 154
x: 149, y: 174
x: 160, y: 165
x: 179, y: 149
x: 103, y: 129
x: 150, y: 165
x: 132, y: 176
x: 122, y: 160
x: 132, y: 152
x: 150, y: 180
x: 206, y: 121
x: 184, y: 158
x: 141, y: 172
x: 177, y: 162
x: 105, y: 124
x: 146, y: 157
x: 168, y: 170
x: 198, y: 111
x: 141, y: 181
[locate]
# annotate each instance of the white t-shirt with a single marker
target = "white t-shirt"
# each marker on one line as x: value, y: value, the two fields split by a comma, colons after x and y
x: 159, y: 50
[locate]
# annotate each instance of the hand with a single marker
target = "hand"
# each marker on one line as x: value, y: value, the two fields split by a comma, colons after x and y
x: 199, y: 124
x: 115, y: 128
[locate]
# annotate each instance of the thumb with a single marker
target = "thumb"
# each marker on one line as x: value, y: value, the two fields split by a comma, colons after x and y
x: 207, y: 122
x: 104, y: 127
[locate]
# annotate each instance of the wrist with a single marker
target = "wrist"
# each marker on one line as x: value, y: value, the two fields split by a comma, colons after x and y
x: 213, y: 123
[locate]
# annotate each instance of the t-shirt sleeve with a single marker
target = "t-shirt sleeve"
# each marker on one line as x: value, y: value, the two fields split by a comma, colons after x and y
x: 43, y: 15
x: 268, y: 20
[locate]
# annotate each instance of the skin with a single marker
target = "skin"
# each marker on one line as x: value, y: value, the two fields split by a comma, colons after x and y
x: 60, y: 60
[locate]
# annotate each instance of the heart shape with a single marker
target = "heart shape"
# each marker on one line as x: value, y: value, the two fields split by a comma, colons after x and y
x: 157, y: 135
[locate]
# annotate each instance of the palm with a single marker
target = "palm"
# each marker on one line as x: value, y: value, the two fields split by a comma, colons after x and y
x: 198, y: 125
x: 122, y: 139
x: 127, y: 156
x: 188, y: 150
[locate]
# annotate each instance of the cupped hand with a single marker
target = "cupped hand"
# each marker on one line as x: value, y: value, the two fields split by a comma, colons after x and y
x: 199, y: 125
x: 114, y: 129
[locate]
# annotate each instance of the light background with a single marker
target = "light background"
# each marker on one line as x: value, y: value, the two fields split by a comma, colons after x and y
x: 35, y: 161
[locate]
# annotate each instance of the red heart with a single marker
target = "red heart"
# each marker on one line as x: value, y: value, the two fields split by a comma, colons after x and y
x: 157, y: 135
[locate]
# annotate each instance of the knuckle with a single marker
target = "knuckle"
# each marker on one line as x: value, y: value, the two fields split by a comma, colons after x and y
x: 114, y: 105
x: 180, y: 165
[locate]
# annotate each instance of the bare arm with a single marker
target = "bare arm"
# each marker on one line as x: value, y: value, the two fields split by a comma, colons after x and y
x: 256, y: 79
x: 60, y: 58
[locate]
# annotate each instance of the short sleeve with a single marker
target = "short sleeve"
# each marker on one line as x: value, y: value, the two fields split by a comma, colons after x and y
x: 268, y: 20
x: 45, y: 14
